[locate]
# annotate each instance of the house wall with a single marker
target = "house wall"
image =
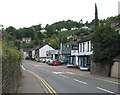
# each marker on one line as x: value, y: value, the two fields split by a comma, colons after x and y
x: 33, y: 53
x: 25, y: 54
x: 37, y: 52
x: 85, y: 48
x: 42, y: 51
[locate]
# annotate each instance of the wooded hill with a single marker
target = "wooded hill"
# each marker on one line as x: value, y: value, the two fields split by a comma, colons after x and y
x: 53, y: 32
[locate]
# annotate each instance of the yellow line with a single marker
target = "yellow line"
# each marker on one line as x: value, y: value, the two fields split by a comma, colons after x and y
x: 41, y: 81
x: 49, y: 86
x: 44, y: 82
x: 101, y: 79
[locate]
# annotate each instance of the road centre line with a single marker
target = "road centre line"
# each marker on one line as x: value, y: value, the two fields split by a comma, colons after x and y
x: 80, y: 81
x: 105, y: 90
x: 50, y: 89
x: 64, y: 76
x: 100, y: 79
x: 22, y: 67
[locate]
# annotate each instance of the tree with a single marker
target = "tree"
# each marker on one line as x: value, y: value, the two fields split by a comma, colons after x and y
x: 12, y: 32
x: 53, y: 36
x: 18, y: 44
x: 54, y: 43
x: 50, y: 30
x: 96, y: 16
x: 106, y: 43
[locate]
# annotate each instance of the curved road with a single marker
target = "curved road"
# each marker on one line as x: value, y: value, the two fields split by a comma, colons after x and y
x: 68, y: 82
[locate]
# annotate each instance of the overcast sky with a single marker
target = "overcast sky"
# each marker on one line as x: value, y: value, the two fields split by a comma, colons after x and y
x: 25, y: 13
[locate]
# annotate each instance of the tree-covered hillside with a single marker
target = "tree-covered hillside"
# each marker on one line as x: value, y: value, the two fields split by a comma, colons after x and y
x: 53, y: 32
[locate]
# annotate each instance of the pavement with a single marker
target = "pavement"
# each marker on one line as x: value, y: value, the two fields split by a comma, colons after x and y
x: 30, y: 84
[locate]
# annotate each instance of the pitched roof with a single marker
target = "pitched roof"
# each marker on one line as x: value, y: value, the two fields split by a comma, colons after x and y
x: 84, y: 38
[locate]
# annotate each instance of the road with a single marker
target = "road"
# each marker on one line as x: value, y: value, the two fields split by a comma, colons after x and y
x: 61, y: 81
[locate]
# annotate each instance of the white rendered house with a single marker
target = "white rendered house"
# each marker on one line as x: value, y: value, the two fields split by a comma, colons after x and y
x: 43, y: 49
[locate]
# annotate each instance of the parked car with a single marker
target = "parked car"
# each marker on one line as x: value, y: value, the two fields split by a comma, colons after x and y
x: 27, y: 58
x: 39, y: 60
x: 62, y: 61
x: 50, y: 62
x: 43, y: 61
x: 47, y: 60
x: 55, y: 62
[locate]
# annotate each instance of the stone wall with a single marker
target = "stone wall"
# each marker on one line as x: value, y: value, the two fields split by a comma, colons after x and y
x: 115, y: 69
x: 104, y: 70
x: 99, y: 69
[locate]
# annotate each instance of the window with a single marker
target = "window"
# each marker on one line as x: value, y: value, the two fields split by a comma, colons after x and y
x: 80, y: 47
x: 91, y: 47
x: 83, y: 47
x: 67, y: 46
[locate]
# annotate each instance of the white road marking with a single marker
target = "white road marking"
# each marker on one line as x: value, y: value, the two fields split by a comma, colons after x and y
x: 63, y: 73
x: 105, y: 90
x: 23, y: 67
x: 80, y: 81
x: 57, y: 72
x: 64, y: 76
x: 69, y: 73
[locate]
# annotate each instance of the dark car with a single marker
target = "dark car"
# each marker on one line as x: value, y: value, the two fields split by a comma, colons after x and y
x: 27, y: 58
x: 63, y: 61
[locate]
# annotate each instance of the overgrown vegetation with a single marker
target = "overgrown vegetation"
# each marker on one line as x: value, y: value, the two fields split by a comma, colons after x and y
x: 106, y: 43
x: 11, y: 72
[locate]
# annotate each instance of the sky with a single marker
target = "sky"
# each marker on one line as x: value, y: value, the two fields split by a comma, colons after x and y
x: 25, y: 13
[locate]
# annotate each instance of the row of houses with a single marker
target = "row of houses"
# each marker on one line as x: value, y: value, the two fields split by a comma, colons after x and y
x: 76, y: 53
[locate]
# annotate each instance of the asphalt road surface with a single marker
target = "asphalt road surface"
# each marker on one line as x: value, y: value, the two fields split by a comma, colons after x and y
x: 58, y: 81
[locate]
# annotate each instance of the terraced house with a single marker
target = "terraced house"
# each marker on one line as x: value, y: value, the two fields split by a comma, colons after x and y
x: 84, y: 52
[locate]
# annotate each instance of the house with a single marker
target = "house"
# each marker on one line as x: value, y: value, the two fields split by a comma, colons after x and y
x: 40, y: 52
x: 72, y: 37
x: 32, y: 53
x: 68, y: 51
x: 25, y: 52
x: 73, y: 58
x: 26, y: 40
x: 43, y: 31
x: 64, y: 29
x: 52, y: 54
x: 69, y: 37
x: 84, y: 52
x: 74, y: 28
x: 84, y: 27
x: 116, y: 25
